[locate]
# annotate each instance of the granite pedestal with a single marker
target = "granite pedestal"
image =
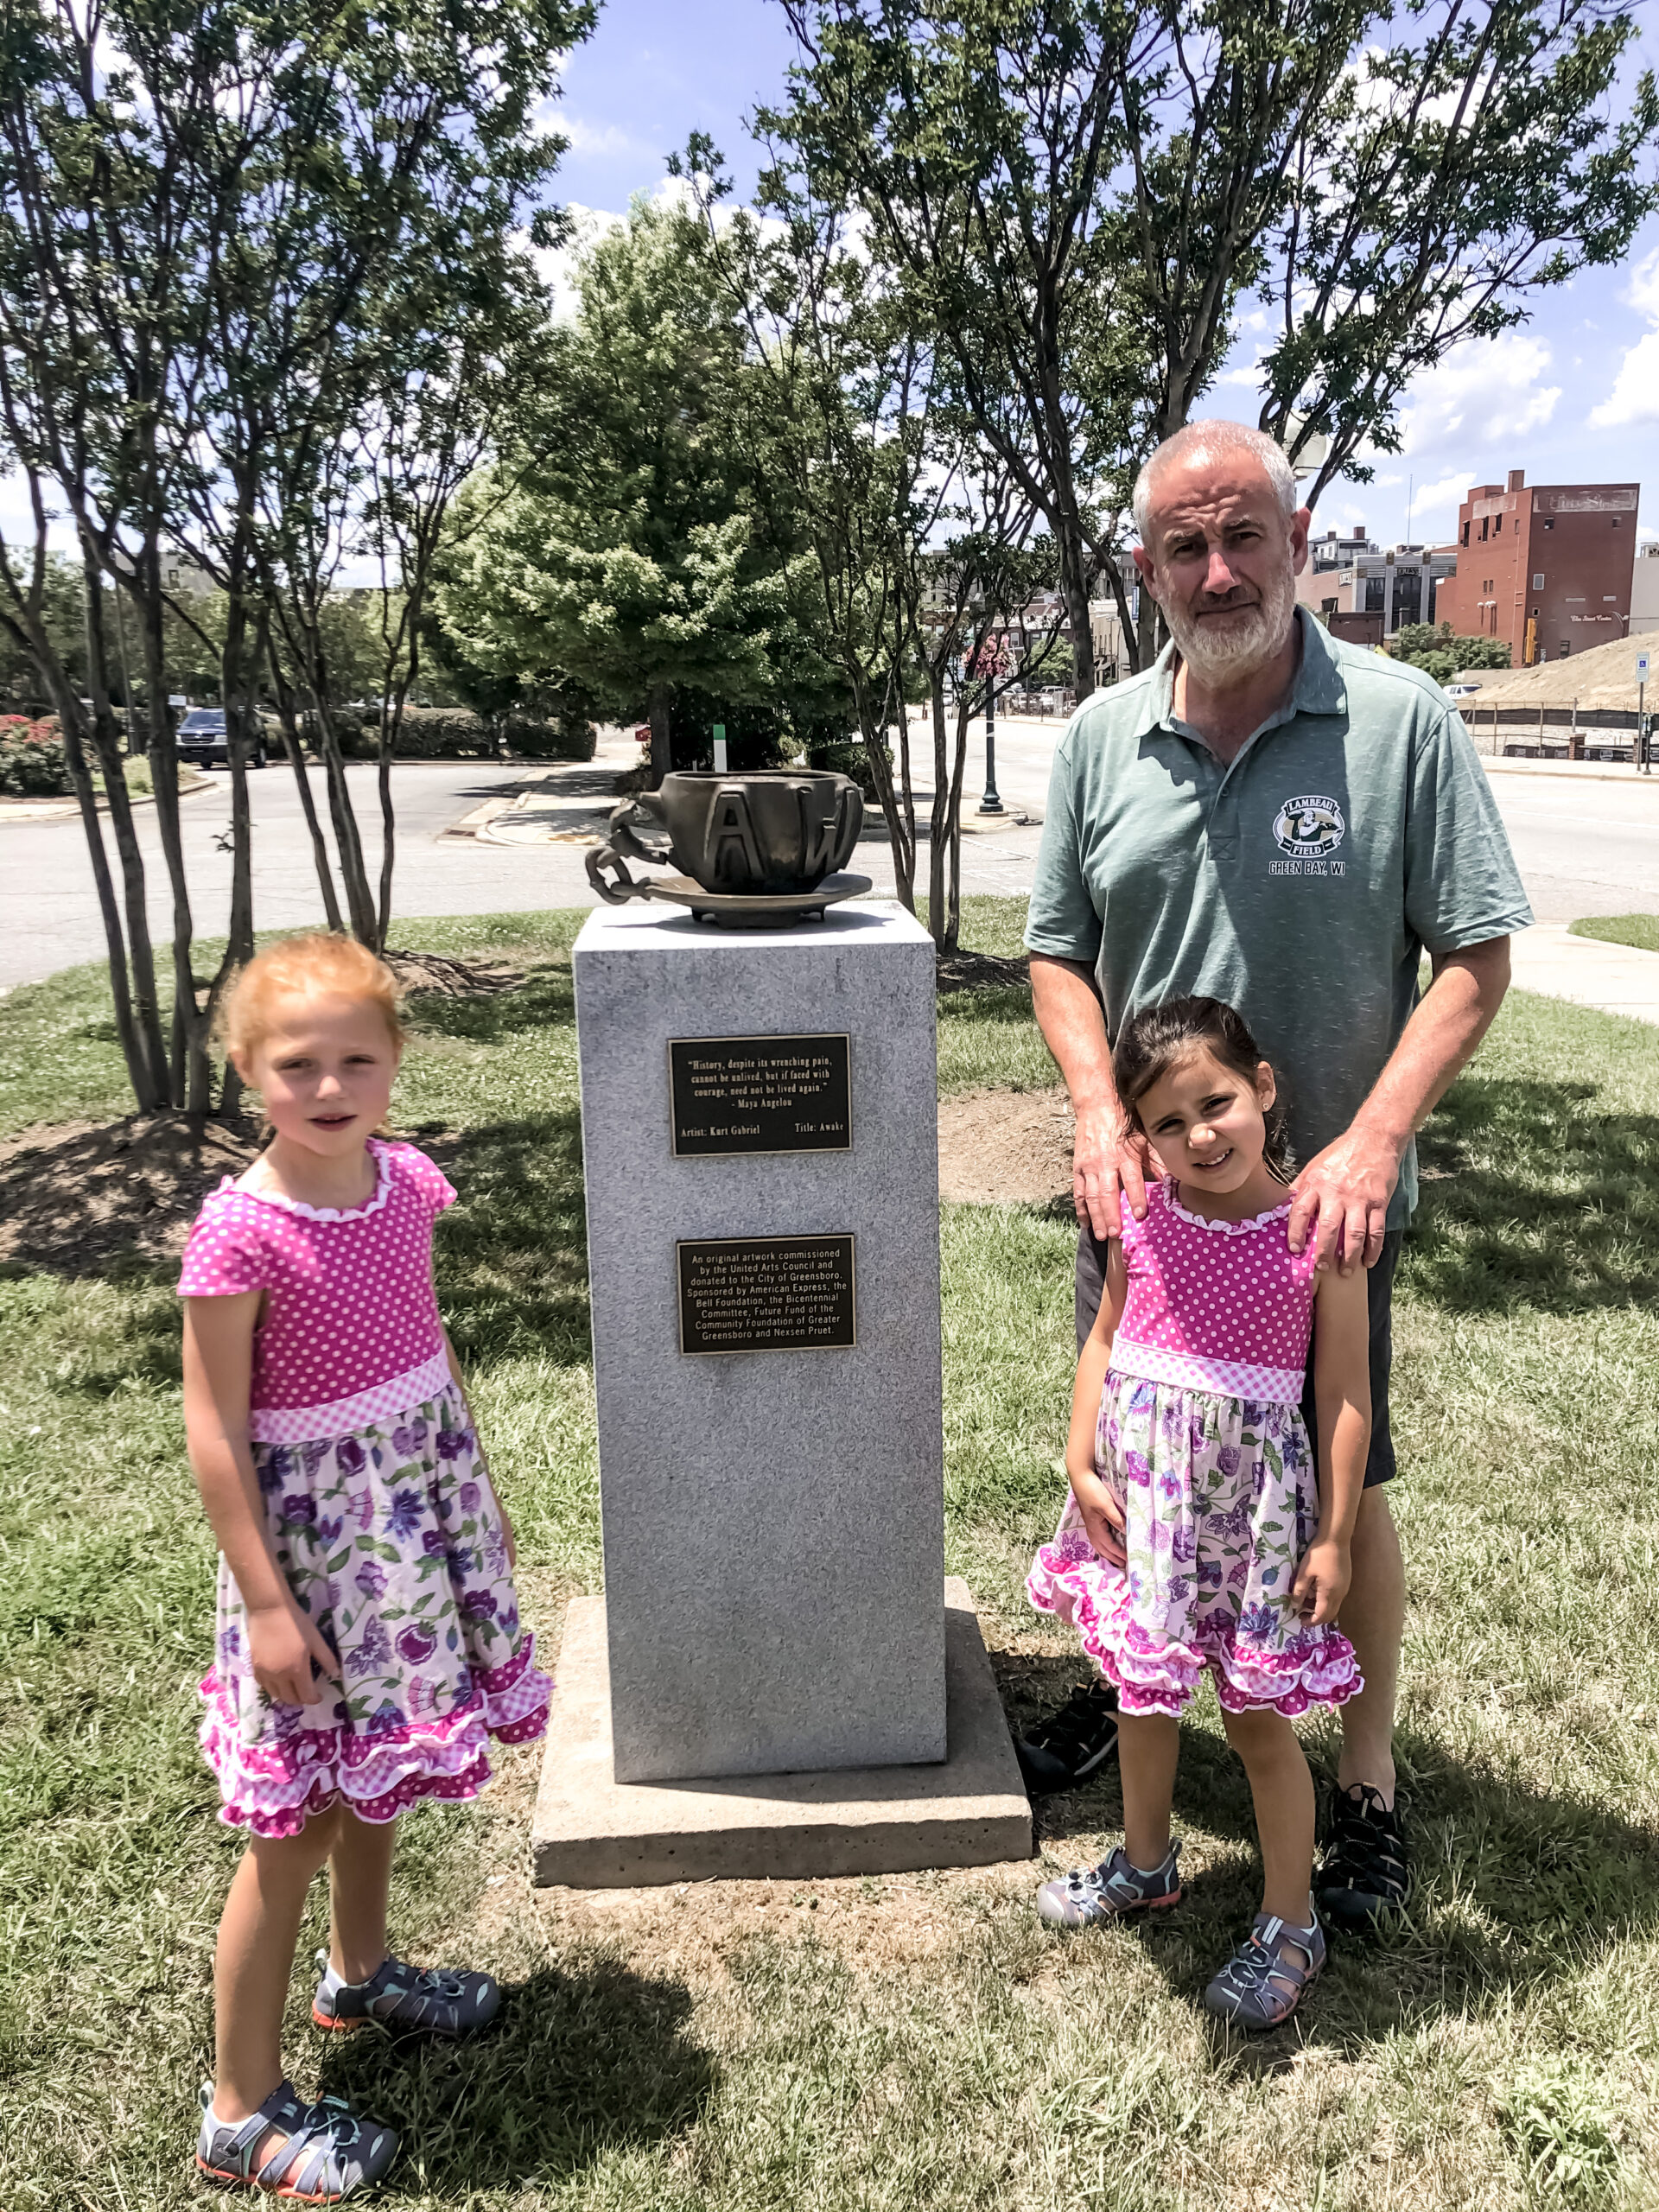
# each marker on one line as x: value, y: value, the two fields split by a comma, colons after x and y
x: 773, y: 1519
x: 592, y: 1832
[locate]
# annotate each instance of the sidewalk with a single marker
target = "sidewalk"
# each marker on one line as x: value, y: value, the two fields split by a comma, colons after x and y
x: 1614, y: 978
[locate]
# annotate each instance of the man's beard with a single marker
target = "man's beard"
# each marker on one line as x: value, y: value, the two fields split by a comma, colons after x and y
x: 1251, y: 637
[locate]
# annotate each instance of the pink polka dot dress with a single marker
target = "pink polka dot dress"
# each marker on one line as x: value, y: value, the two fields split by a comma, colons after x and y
x: 378, y: 1510
x: 1201, y: 1442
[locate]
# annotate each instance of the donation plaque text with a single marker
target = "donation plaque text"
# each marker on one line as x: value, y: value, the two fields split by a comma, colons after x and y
x: 760, y: 1094
x: 766, y: 1294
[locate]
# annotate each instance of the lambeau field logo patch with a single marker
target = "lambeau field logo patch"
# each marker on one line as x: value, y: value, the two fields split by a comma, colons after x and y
x: 1307, y: 830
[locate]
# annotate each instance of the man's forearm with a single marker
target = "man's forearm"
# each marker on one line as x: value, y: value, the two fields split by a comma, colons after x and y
x: 1074, y: 1029
x: 1454, y: 1016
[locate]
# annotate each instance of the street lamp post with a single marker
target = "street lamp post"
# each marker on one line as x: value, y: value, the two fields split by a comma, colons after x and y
x: 991, y: 803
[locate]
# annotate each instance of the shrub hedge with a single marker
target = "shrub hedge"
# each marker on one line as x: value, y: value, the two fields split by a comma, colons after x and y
x: 32, y: 763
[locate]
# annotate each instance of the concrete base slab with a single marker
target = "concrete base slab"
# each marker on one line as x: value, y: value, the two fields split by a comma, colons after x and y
x: 591, y: 1831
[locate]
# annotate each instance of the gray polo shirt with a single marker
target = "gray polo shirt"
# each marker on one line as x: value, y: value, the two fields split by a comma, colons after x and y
x: 1301, y: 883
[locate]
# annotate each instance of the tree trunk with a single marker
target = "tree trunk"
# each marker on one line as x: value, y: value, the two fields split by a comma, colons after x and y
x: 293, y: 745
x: 938, y: 832
x: 150, y: 1094
x: 139, y: 953
x: 872, y: 732
x: 1075, y: 593
x: 191, y: 1071
x: 662, y: 756
x: 360, y: 902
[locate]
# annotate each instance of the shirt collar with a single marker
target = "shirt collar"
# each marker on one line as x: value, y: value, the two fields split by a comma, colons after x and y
x: 1316, y: 688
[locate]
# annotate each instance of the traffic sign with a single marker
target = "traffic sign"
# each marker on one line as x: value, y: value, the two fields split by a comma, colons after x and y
x: 1641, y: 668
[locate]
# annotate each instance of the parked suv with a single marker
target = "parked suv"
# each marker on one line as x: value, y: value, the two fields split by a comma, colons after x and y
x: 203, y: 740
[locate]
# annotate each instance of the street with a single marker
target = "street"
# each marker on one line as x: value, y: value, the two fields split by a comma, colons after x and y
x: 1586, y: 845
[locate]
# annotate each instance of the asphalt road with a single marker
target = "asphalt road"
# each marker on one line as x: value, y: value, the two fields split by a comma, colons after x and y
x: 48, y: 910
x: 1585, y: 846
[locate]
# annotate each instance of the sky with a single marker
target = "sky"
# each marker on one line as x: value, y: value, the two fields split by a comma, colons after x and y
x: 1571, y: 397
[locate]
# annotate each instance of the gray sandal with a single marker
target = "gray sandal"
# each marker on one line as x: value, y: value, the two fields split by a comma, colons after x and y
x: 326, y: 2149
x: 1089, y: 1896
x: 1262, y: 1983
x: 440, y: 2001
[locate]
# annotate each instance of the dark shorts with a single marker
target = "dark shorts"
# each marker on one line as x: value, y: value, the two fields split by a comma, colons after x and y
x: 1379, y: 1465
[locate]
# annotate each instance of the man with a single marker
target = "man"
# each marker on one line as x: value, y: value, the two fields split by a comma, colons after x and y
x: 1287, y: 822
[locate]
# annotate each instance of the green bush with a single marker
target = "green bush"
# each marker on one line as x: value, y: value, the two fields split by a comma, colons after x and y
x: 33, y: 762
x: 567, y: 736
x: 847, y: 756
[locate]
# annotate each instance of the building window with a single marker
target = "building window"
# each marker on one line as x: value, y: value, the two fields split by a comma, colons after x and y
x: 1563, y: 649
x: 1375, y: 595
x: 1407, y: 597
x: 1485, y: 526
x: 1538, y: 581
x: 1549, y: 525
x: 1465, y: 533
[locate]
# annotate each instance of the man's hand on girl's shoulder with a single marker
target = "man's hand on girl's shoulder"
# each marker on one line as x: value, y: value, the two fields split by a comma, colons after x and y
x: 1109, y: 1171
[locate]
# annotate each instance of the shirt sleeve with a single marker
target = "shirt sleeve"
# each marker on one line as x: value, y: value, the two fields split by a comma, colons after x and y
x: 430, y: 1179
x: 222, y: 1257
x: 1061, y: 920
x: 1462, y: 885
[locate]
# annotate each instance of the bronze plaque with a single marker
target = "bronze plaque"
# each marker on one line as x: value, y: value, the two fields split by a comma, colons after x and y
x: 760, y: 1094
x: 766, y: 1294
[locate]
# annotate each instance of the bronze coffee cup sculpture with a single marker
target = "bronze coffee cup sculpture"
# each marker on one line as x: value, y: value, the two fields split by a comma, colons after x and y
x: 756, y: 849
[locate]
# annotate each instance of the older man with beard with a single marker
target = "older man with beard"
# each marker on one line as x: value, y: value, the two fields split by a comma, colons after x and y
x: 1274, y: 818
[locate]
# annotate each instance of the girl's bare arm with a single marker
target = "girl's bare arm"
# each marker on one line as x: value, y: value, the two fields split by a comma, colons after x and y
x: 1342, y: 1395
x: 218, y: 1369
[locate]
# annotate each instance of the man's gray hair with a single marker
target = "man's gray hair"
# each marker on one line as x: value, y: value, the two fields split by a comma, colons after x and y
x: 1209, y: 441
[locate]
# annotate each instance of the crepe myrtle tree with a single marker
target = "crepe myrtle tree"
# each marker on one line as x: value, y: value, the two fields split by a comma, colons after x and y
x: 161, y: 159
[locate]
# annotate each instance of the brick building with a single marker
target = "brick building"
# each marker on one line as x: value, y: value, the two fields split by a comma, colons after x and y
x: 1546, y: 567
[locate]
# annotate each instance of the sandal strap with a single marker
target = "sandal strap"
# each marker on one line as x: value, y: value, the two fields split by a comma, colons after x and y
x: 1265, y: 1954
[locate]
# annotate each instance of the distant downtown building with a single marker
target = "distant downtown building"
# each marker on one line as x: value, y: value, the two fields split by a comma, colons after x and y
x: 1546, y: 568
x: 1645, y: 591
x: 1365, y: 593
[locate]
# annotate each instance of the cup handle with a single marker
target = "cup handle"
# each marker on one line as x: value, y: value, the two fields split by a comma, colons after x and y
x: 617, y: 890
x: 620, y: 831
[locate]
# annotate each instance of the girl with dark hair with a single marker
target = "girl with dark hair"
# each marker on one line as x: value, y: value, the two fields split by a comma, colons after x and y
x: 1198, y: 1537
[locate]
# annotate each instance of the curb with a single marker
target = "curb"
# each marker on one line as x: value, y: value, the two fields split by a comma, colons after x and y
x: 68, y: 810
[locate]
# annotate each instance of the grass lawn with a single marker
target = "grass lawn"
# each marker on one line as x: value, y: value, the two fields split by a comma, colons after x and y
x: 1639, y: 929
x: 877, y: 2045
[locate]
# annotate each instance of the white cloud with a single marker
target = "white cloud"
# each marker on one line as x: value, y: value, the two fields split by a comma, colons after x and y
x: 1481, y: 393
x: 1434, y: 507
x: 1642, y: 292
x: 1635, y: 396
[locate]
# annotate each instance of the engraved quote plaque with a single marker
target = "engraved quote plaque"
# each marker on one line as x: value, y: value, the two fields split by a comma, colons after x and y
x: 766, y: 1294
x: 760, y: 1094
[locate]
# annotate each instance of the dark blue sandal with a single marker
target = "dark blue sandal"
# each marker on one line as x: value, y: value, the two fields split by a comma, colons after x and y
x: 326, y: 2152
x: 441, y: 2001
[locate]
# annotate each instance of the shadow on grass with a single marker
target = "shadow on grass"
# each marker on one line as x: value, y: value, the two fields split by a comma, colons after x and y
x: 993, y: 1004
x: 1513, y: 1888
x: 544, y: 999
x: 583, y: 2060
x: 512, y: 1254
x: 1533, y: 1198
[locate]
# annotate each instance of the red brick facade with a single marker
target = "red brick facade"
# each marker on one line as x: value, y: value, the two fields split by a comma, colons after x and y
x: 1546, y: 567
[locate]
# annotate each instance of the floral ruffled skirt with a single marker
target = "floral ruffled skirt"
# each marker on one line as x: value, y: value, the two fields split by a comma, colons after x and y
x: 391, y: 1540
x: 1221, y: 1499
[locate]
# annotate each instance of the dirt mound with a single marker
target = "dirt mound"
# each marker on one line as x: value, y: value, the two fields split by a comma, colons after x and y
x: 71, y: 1198
x: 1603, y: 677
x: 1006, y: 1148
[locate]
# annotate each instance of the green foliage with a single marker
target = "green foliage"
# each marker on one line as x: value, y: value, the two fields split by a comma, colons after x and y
x: 848, y: 757
x: 633, y: 555
x: 1436, y: 650
x: 63, y: 615
x: 33, y: 764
